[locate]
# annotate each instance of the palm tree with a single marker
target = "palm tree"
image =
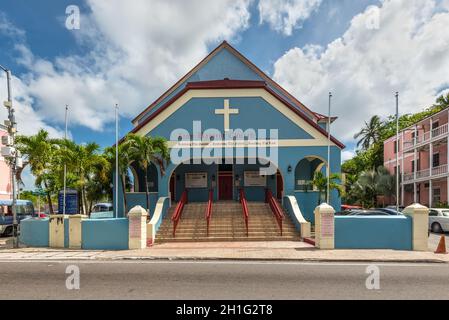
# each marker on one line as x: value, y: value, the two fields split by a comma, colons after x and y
x: 145, y: 150
x: 443, y: 101
x: 370, y: 134
x: 123, y: 164
x: 320, y: 183
x: 372, y: 183
x: 83, y: 161
x: 40, y: 151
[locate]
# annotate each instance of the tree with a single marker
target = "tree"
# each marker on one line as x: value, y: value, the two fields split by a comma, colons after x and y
x: 320, y: 183
x: 86, y: 164
x: 145, y: 150
x: 370, y: 134
x: 123, y: 164
x: 40, y: 151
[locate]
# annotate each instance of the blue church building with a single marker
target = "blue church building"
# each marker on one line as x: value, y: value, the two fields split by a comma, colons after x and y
x: 230, y: 127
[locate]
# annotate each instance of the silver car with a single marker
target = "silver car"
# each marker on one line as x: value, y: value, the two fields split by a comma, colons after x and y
x: 439, y: 220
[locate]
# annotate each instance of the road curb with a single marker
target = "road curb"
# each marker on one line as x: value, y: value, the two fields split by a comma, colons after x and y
x: 186, y: 258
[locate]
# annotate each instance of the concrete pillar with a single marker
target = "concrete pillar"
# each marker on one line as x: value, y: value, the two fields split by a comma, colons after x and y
x: 324, y: 226
x: 420, y: 225
x: 56, y: 231
x: 137, y: 228
x: 75, y: 231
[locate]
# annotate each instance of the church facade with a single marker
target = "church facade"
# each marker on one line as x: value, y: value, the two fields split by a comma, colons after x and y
x: 231, y: 127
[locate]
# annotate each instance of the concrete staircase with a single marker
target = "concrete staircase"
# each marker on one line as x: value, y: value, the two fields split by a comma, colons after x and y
x: 227, y: 224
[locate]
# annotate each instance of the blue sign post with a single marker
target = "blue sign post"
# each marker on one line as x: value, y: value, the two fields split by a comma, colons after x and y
x: 71, y: 202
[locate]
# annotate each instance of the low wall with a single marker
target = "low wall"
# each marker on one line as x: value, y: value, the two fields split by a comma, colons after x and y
x: 307, y: 202
x: 291, y: 206
x: 380, y: 232
x: 140, y: 199
x: 105, y: 234
x: 161, y: 210
x: 34, y: 232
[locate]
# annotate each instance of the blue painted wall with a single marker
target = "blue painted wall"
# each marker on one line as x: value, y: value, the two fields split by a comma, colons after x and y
x: 383, y: 232
x: 105, y: 234
x: 34, y: 232
x: 66, y: 232
x: 203, y: 109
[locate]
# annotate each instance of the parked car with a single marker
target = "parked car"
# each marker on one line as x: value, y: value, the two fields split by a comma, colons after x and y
x: 390, y: 211
x: 24, y: 210
x: 102, y: 211
x: 102, y: 207
x: 370, y: 212
x: 439, y: 220
x: 401, y: 208
x: 347, y: 207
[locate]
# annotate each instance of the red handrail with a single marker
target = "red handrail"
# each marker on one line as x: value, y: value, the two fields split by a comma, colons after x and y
x: 178, y: 211
x: 244, y: 209
x: 209, y: 209
x: 275, y: 207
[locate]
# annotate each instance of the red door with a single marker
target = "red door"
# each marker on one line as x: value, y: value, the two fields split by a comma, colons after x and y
x: 225, y: 187
x: 279, y: 186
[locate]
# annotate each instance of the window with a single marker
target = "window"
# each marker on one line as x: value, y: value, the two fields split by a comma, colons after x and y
x: 413, y: 165
x: 396, y: 146
x: 446, y: 213
x: 436, y: 124
x: 433, y: 213
x: 436, y: 195
x: 436, y: 160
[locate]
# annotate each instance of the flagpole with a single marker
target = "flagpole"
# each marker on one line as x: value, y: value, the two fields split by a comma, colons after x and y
x: 65, y: 165
x: 328, y: 148
x: 116, y: 161
x: 397, y: 151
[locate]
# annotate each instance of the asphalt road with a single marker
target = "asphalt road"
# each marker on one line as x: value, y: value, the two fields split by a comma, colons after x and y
x: 222, y: 280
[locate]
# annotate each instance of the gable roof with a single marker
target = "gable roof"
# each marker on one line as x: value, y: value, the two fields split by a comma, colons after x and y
x: 225, y: 45
x: 235, y: 84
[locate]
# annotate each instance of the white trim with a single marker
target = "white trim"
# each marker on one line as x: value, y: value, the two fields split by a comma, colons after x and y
x: 319, y: 139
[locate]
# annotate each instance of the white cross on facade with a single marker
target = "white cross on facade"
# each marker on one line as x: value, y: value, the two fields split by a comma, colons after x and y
x: 226, y: 112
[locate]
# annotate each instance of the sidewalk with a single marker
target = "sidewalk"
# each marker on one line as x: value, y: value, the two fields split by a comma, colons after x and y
x: 252, y: 251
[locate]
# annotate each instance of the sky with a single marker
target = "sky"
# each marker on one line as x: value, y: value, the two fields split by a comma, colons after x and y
x: 361, y: 50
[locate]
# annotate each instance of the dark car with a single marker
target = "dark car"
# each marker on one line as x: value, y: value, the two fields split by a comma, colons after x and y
x: 390, y: 211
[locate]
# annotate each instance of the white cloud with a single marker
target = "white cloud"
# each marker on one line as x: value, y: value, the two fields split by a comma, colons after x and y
x: 346, y: 155
x: 363, y: 68
x: 286, y: 15
x: 135, y: 53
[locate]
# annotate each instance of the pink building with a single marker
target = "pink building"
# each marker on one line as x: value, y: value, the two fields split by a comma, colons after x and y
x: 423, y: 161
x: 5, y: 173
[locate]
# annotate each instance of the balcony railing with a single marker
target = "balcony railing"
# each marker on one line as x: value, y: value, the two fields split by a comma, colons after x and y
x: 427, y: 173
x: 426, y: 136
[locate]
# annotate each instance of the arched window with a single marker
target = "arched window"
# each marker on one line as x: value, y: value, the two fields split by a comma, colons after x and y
x: 305, y: 171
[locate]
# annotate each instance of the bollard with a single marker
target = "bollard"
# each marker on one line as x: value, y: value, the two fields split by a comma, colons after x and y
x: 137, y: 228
x: 420, y: 226
x: 324, y: 226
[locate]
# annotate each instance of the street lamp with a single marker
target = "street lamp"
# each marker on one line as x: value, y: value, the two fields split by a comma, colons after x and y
x: 10, y: 151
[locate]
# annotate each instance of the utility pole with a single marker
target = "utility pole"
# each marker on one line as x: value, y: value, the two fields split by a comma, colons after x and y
x: 65, y: 165
x: 397, y: 151
x: 328, y: 149
x: 116, y: 161
x: 12, y: 128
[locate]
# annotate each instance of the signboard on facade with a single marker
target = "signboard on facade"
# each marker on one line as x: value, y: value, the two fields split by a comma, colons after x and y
x: 71, y: 202
x: 327, y: 225
x: 196, y: 180
x: 254, y: 179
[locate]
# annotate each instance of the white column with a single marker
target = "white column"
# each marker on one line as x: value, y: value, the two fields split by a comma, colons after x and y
x: 430, y: 164
x: 324, y: 226
x: 420, y: 216
x: 402, y: 168
x: 415, y: 166
x: 137, y: 217
x: 76, y: 231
